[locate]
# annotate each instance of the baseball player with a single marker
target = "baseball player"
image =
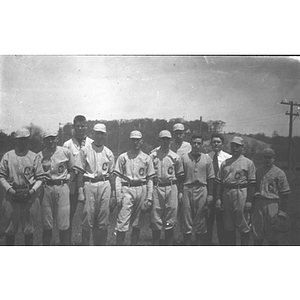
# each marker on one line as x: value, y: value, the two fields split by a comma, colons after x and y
x: 21, y: 175
x: 217, y: 156
x: 271, y: 195
x: 95, y: 164
x: 178, y: 145
x: 196, y: 192
x: 165, y: 192
x: 57, y: 163
x: 235, y: 190
x: 134, y: 187
x: 74, y: 144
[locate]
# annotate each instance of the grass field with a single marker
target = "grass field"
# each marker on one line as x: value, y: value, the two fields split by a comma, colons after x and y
x: 291, y: 238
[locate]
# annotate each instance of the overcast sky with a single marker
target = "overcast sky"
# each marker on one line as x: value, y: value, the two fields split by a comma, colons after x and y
x: 244, y: 92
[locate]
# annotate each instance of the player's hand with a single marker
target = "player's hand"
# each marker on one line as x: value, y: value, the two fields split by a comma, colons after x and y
x: 81, y: 197
x: 219, y: 205
x: 147, y: 205
x: 209, y: 200
x: 281, y: 214
x: 248, y: 206
x: 11, y: 191
x: 180, y: 198
x: 31, y: 192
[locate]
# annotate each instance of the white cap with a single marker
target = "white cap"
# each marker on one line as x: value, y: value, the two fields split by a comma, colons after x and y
x: 22, y: 133
x: 165, y: 134
x: 178, y: 126
x: 135, y: 134
x: 49, y: 133
x: 238, y: 140
x: 100, y: 127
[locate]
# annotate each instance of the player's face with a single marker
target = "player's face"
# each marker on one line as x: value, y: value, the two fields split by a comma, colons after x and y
x: 165, y: 143
x: 216, y: 144
x: 268, y: 160
x: 79, y: 128
x: 136, y: 144
x: 178, y: 136
x: 236, y: 149
x: 99, y: 137
x: 196, y: 145
x: 22, y: 143
x: 50, y: 142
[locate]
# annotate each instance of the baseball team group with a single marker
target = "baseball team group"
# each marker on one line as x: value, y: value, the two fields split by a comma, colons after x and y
x: 175, y: 183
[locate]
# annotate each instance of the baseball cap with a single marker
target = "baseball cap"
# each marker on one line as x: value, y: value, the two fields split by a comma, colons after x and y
x: 135, y: 134
x: 49, y: 133
x: 100, y: 127
x: 22, y: 133
x: 268, y: 152
x: 238, y: 140
x: 178, y: 126
x: 165, y: 134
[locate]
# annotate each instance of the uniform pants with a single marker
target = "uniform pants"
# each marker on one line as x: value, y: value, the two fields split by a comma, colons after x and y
x: 264, y: 215
x: 56, y: 207
x: 131, y: 211
x: 234, y: 215
x: 165, y: 204
x: 193, y: 212
x: 96, y: 207
x: 14, y: 213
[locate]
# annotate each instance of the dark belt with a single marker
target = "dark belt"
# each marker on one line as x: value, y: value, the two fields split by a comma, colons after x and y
x: 236, y: 186
x: 163, y: 184
x: 21, y: 187
x: 93, y: 180
x: 134, y: 183
x: 56, y: 182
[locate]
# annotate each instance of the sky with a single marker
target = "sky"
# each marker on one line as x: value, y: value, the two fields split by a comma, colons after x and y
x: 243, y: 91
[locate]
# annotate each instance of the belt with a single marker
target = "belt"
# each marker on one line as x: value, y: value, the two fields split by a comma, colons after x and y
x: 56, y: 182
x: 21, y: 187
x: 134, y: 183
x: 93, y: 180
x: 163, y: 184
x: 236, y: 186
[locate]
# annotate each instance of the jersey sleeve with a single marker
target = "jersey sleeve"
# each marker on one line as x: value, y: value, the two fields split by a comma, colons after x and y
x: 283, y: 185
x: 71, y: 160
x: 80, y: 161
x: 119, y: 170
x: 251, y: 173
x: 150, y: 170
x: 111, y: 163
x: 39, y: 173
x: 180, y: 170
x: 4, y: 167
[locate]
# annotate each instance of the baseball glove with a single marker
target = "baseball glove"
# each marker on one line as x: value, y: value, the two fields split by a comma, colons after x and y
x: 21, y: 195
x: 282, y: 223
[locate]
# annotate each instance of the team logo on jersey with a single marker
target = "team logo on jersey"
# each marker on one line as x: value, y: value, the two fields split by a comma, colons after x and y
x: 237, y: 175
x: 61, y: 168
x: 271, y: 187
x: 142, y: 171
x: 104, y: 166
x: 170, y: 170
x: 27, y: 171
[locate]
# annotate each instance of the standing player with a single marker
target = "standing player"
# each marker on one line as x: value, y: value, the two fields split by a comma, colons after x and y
x: 21, y: 174
x: 57, y: 164
x: 165, y: 192
x: 217, y: 156
x: 271, y: 195
x: 235, y: 190
x: 178, y: 145
x: 74, y: 144
x: 196, y: 193
x: 134, y: 187
x: 95, y: 164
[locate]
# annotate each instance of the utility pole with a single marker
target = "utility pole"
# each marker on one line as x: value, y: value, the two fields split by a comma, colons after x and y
x: 201, y: 125
x: 291, y: 114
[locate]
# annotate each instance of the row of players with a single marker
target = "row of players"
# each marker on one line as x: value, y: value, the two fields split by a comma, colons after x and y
x: 175, y: 181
